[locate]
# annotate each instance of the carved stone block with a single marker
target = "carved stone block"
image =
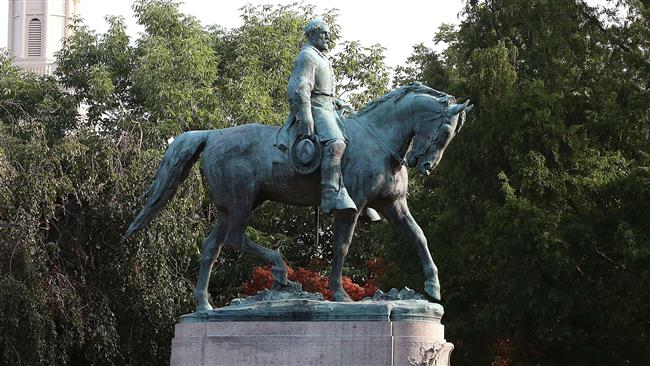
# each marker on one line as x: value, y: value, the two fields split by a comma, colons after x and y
x: 289, y: 343
x: 300, y: 328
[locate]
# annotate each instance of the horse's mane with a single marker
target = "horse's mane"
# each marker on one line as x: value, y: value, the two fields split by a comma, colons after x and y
x: 396, y: 94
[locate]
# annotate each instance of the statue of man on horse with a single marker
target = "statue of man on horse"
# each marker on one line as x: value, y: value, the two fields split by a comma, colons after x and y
x: 312, y: 97
x: 249, y: 164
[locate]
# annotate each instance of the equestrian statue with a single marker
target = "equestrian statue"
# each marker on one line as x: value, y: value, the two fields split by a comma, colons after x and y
x: 319, y: 157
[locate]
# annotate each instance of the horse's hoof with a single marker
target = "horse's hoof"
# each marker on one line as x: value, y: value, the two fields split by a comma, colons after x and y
x: 276, y: 286
x: 280, y: 276
x: 341, y: 296
x: 432, y: 288
x: 203, y: 307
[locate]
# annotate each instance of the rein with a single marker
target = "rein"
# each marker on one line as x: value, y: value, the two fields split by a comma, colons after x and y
x: 430, y: 138
x: 382, y: 145
x: 401, y: 159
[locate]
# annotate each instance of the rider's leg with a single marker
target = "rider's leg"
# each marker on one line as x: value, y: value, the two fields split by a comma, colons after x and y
x: 334, y: 195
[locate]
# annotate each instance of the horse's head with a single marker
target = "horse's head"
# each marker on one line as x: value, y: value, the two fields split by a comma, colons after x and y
x: 434, y: 126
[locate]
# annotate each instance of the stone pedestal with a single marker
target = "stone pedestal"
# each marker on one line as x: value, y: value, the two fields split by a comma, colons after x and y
x: 299, y: 328
x: 328, y: 343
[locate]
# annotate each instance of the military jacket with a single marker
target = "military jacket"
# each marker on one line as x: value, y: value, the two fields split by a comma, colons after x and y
x: 312, y: 89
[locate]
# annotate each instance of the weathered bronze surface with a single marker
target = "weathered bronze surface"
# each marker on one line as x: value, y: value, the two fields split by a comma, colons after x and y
x: 363, y: 163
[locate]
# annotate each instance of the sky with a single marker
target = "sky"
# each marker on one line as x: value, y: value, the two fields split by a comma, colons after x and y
x: 397, y: 28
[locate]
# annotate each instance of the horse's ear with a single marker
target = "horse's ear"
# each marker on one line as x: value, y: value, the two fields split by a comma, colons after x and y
x: 457, y: 108
x: 463, y: 115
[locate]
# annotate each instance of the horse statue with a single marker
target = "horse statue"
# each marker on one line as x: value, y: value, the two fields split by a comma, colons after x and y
x: 243, y: 169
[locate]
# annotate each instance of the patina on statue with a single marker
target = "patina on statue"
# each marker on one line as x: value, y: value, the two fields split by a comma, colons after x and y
x: 312, y: 97
x: 244, y: 166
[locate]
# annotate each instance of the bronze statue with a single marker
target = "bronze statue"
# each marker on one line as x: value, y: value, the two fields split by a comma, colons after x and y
x: 249, y: 164
x: 312, y: 97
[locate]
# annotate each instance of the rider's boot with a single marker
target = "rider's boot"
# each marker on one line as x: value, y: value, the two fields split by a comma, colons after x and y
x: 334, y: 195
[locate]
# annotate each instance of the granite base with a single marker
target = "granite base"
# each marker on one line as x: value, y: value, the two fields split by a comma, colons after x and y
x: 289, y: 343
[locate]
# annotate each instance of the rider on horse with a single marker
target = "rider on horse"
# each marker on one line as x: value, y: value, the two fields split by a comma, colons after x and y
x: 313, y: 102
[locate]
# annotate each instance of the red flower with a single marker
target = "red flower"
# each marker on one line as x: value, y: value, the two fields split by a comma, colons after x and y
x: 314, y: 281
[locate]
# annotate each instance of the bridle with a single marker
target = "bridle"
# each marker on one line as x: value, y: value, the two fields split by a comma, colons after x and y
x: 381, y: 144
x: 397, y: 157
x: 429, y: 139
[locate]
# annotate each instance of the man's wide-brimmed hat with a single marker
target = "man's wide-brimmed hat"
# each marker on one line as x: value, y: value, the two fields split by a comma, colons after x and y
x: 305, y: 154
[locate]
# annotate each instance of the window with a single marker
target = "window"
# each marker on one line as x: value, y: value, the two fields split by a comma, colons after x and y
x: 34, y: 38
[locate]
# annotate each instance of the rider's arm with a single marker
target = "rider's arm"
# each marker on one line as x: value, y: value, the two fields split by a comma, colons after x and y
x: 301, y: 83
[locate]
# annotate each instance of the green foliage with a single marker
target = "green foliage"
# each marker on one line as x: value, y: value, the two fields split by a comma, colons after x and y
x: 257, y: 59
x: 423, y: 65
x: 71, y: 291
x: 175, y: 68
x: 165, y: 82
x: 538, y: 216
x: 25, y: 99
x: 98, y: 69
x: 361, y: 73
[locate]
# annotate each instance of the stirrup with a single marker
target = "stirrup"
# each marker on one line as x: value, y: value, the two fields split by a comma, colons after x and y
x: 333, y: 200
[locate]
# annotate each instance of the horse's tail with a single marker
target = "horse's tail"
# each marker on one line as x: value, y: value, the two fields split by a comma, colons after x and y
x: 173, y: 170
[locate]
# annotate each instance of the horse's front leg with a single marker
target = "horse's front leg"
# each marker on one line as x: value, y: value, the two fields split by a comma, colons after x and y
x: 344, y: 223
x: 397, y: 213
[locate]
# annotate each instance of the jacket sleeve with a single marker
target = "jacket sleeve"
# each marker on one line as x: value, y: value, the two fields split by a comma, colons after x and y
x: 301, y: 84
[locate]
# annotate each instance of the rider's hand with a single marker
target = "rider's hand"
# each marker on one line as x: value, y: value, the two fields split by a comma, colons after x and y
x: 340, y: 104
x: 307, y: 129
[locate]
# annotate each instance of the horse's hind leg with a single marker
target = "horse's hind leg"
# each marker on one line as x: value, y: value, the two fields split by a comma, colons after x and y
x: 272, y: 257
x: 210, y: 250
x: 237, y: 238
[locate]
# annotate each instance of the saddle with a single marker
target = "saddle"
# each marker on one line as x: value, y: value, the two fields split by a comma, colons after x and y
x: 305, y: 155
x: 285, y: 134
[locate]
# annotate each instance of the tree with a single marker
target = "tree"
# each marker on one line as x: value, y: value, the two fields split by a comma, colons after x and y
x: 28, y: 99
x: 71, y: 290
x: 547, y: 244
x: 423, y: 64
x: 361, y: 73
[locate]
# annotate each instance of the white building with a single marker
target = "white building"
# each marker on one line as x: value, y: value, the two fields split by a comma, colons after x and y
x: 36, y: 31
